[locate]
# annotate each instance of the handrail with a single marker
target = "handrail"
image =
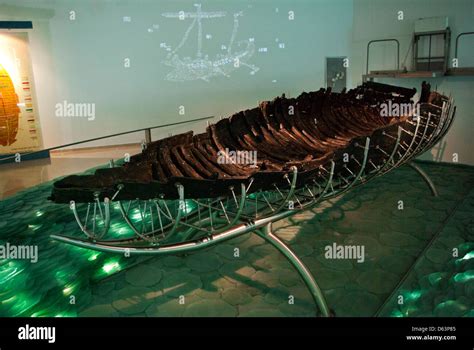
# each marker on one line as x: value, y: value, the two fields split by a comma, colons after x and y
x: 381, y: 40
x: 112, y: 135
x: 457, y: 42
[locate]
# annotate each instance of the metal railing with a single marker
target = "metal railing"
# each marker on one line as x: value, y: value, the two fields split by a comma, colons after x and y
x: 457, y: 42
x: 147, y: 131
x: 382, y: 40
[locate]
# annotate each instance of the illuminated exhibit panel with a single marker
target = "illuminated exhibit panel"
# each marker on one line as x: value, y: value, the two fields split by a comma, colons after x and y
x: 19, y: 124
x: 9, y: 111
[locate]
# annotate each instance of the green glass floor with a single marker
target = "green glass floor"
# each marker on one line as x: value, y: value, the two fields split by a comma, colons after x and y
x: 419, y: 261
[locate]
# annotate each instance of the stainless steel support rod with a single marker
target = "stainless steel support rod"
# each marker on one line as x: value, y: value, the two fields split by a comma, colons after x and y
x: 147, y: 136
x: 177, y: 247
x: 294, y: 260
x: 425, y: 177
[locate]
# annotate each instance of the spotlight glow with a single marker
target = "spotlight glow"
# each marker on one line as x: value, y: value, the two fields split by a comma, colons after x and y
x: 464, y: 276
x: 111, y: 267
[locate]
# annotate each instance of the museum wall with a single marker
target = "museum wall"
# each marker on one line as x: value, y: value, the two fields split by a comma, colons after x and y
x: 378, y: 19
x: 112, y: 55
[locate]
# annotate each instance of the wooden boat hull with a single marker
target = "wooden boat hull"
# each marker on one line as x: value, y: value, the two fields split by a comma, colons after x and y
x: 306, y: 133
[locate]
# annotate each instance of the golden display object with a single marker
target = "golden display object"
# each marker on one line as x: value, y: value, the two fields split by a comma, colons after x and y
x: 9, y: 111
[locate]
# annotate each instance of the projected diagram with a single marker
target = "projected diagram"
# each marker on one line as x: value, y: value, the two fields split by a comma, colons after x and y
x: 201, y: 67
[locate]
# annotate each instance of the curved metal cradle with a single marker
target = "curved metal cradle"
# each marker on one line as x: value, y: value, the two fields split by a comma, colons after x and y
x: 161, y: 226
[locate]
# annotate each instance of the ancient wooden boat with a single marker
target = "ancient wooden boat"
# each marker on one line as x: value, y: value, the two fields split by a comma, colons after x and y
x: 262, y: 146
x: 188, y: 192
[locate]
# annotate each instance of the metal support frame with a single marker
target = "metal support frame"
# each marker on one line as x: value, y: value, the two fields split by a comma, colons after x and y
x: 164, y: 228
x: 95, y: 217
x: 425, y: 177
x: 318, y: 297
x: 446, y: 118
x: 221, y: 230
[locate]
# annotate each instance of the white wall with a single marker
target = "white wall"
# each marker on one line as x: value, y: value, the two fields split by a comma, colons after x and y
x: 377, y: 19
x: 82, y: 60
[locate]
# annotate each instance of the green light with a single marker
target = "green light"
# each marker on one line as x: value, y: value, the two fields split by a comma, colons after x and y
x: 62, y: 276
x: 22, y: 303
x: 90, y: 255
x: 65, y: 276
x: 67, y: 290
x: 188, y: 207
x: 49, y: 313
x: 111, y: 267
x: 41, y: 313
x: 468, y: 256
x: 93, y: 256
x: 414, y: 295
x: 65, y: 314
x: 464, y: 276
x: 39, y: 213
x: 7, y: 301
x: 34, y: 227
x: 136, y: 215
x: 410, y: 311
x: 7, y: 273
x: 120, y: 228
x: 396, y: 313
x: 466, y: 246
